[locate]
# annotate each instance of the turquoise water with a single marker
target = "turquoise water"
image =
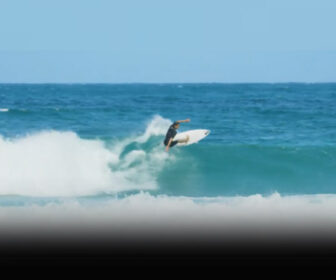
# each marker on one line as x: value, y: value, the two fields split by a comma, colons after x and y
x: 100, y: 141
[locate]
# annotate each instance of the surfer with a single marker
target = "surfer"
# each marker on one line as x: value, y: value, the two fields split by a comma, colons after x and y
x: 169, y: 142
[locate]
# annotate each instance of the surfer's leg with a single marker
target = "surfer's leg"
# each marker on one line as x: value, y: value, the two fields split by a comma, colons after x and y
x: 173, y: 143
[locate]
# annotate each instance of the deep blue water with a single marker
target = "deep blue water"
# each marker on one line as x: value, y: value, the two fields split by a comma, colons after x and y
x: 265, y: 138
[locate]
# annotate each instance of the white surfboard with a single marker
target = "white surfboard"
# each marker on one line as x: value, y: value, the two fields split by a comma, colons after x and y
x: 194, y: 136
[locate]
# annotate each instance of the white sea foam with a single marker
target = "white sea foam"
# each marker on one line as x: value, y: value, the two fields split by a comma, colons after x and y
x: 4, y: 109
x: 157, y: 126
x: 144, y: 212
x: 54, y: 163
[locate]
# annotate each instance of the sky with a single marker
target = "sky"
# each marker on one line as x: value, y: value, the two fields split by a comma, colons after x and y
x: 156, y: 41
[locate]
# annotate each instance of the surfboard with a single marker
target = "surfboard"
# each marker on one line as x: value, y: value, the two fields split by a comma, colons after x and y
x: 194, y: 136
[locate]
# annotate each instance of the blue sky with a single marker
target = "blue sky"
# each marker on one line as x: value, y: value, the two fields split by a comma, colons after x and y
x: 116, y: 41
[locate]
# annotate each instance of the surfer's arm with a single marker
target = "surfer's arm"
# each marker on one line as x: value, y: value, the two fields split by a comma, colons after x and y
x: 168, y: 145
x: 187, y: 120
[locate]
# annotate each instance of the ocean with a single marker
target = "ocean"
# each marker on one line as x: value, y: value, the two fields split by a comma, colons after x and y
x: 93, y: 153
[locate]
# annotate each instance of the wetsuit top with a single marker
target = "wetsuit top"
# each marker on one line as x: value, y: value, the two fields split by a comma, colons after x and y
x: 170, y: 134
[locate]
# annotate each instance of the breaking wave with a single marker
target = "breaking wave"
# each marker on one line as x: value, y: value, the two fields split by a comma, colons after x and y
x: 56, y: 163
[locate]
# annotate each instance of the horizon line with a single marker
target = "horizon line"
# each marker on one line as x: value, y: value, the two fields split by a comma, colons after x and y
x: 154, y: 83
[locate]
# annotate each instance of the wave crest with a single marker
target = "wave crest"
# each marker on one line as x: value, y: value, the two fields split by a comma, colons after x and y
x: 54, y: 163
